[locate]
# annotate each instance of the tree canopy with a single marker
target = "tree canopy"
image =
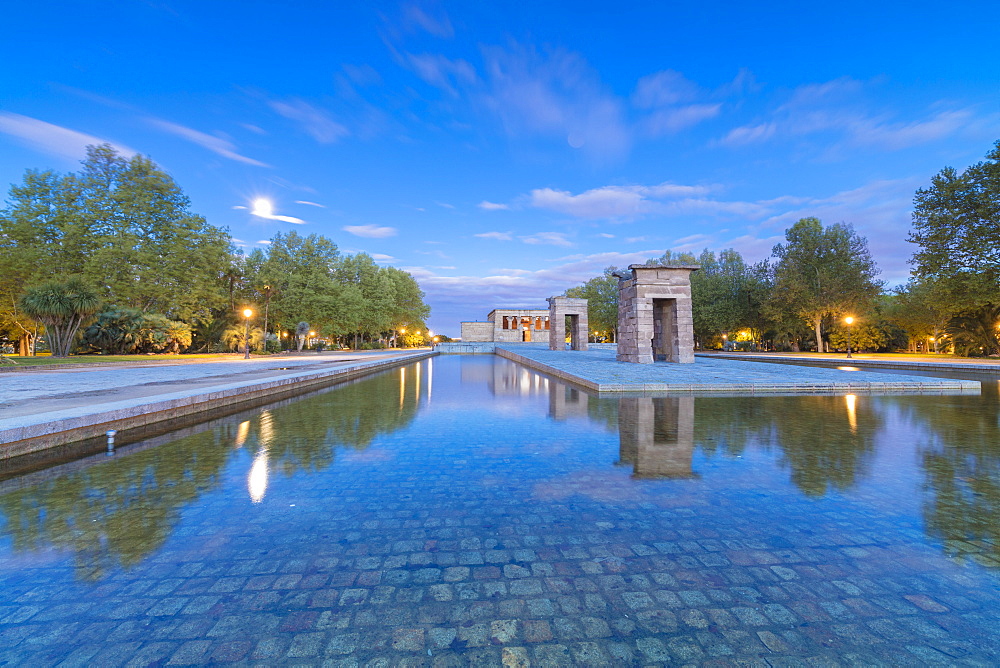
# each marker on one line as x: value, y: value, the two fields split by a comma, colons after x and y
x: 824, y: 271
x: 956, y: 225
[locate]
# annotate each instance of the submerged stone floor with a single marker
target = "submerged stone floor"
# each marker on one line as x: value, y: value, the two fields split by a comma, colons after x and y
x: 598, y: 370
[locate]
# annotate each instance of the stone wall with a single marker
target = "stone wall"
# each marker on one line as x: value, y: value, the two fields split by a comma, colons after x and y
x: 654, y: 314
x: 477, y: 331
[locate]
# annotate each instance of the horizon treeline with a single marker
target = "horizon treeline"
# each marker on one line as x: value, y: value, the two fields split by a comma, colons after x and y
x: 797, y: 298
x: 167, y: 279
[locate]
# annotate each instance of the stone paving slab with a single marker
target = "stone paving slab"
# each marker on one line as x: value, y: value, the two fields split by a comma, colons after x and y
x: 598, y: 370
x: 42, y: 410
x: 976, y: 366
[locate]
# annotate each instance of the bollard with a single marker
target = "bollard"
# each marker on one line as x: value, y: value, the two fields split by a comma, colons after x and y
x: 111, y: 441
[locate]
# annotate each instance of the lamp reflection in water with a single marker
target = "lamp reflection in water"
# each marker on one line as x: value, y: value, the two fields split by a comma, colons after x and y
x: 430, y: 378
x: 657, y: 436
x: 852, y: 413
x: 257, y: 479
x: 241, y: 434
x: 402, y: 385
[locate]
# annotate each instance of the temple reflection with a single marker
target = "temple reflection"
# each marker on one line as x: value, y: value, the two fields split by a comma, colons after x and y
x: 657, y: 436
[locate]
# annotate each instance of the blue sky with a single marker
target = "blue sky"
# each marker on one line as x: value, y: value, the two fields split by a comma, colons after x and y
x: 502, y: 152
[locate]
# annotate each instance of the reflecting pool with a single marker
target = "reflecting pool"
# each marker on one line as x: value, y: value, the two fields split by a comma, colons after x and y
x: 465, y: 510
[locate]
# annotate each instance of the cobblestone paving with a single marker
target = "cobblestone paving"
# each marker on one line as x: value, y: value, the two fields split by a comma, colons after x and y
x: 491, y: 537
x: 598, y: 368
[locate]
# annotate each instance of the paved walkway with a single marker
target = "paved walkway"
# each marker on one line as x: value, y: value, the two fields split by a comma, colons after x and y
x: 598, y: 370
x: 46, y: 403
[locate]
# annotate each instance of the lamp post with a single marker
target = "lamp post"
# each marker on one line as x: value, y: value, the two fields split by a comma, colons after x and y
x: 850, y: 321
x: 267, y: 302
x: 246, y: 333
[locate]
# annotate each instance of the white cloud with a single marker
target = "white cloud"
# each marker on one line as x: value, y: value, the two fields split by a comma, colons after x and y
x: 632, y: 240
x: 499, y: 236
x: 605, y: 235
x: 547, y: 238
x: 214, y: 144
x: 302, y: 201
x: 612, y: 202
x: 381, y: 257
x: 315, y: 122
x: 52, y: 139
x: 492, y: 206
x: 445, y: 205
x: 370, y: 231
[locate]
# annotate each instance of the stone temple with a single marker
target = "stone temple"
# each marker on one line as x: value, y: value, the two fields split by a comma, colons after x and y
x: 509, y: 325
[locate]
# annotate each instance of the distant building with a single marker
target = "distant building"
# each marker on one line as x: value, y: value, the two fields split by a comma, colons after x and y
x: 509, y: 325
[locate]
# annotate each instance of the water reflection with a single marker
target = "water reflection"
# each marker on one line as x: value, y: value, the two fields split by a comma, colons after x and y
x: 960, y: 455
x: 112, y: 513
x: 657, y: 436
x: 115, y: 513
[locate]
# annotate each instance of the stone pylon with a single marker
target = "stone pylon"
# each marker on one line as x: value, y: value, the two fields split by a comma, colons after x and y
x: 654, y: 314
x: 576, y: 309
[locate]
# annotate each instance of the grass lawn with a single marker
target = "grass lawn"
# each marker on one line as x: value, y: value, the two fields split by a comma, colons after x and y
x: 46, y: 360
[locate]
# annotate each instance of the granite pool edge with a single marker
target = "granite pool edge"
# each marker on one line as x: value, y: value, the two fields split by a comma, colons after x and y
x: 936, y: 386
x: 71, y: 425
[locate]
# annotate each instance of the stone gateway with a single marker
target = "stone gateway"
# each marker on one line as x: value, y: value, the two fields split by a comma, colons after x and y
x: 654, y: 314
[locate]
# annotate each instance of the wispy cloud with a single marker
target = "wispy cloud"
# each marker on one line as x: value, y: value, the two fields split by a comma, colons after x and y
x: 370, y: 231
x: 614, y: 202
x: 499, y: 236
x: 445, y: 205
x: 314, y: 121
x: 382, y: 257
x: 214, y: 144
x: 838, y: 108
x: 441, y: 72
x: 492, y: 206
x: 52, y: 139
x: 436, y: 24
x: 555, y: 94
x: 308, y: 203
x: 547, y: 238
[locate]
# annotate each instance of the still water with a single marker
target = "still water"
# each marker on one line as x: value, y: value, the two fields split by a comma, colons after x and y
x: 469, y: 511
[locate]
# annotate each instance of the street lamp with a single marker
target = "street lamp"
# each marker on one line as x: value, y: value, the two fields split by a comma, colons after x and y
x: 850, y: 321
x: 267, y: 302
x: 246, y: 333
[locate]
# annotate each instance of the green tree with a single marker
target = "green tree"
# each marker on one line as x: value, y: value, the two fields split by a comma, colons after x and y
x: 123, y: 225
x: 62, y: 306
x: 601, y: 293
x: 917, y: 309
x: 956, y: 224
x: 301, y: 273
x: 728, y: 295
x: 824, y: 272
x: 974, y: 333
x: 149, y: 250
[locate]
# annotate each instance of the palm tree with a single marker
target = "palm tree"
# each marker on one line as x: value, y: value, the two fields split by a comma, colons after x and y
x: 62, y: 307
